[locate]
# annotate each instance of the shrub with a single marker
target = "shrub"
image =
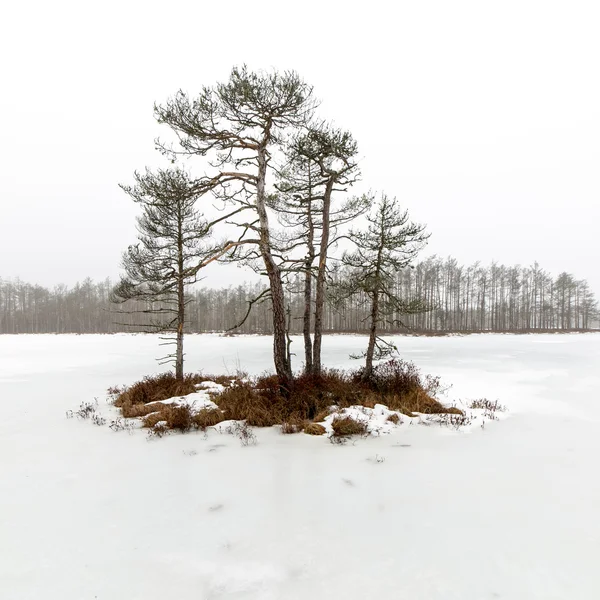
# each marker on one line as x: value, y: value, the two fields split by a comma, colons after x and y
x: 488, y: 405
x: 242, y: 432
x: 86, y: 410
x: 452, y: 420
x: 400, y: 386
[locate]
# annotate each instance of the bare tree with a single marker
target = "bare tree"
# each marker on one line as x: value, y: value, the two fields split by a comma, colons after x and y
x: 531, y: 300
x: 164, y: 261
x: 239, y: 125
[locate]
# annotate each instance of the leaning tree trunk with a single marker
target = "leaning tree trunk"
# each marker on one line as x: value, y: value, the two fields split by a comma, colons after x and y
x: 283, y: 366
x: 320, y: 287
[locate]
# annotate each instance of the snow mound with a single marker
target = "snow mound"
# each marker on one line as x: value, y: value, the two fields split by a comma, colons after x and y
x: 210, y: 386
x: 199, y: 400
x: 376, y: 418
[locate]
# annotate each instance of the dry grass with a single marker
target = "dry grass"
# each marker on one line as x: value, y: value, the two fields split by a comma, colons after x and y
x: 394, y: 418
x: 244, y: 402
x: 151, y: 420
x: 181, y: 418
x: 294, y: 424
x: 345, y: 426
x: 176, y: 417
x: 207, y: 417
x: 162, y: 387
x: 264, y: 402
x: 400, y: 386
x: 314, y: 429
x: 322, y: 415
x: 132, y: 411
x: 414, y: 401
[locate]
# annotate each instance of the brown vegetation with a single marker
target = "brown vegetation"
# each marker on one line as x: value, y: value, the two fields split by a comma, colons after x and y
x: 141, y: 398
x: 178, y: 417
x: 314, y: 429
x: 293, y: 424
x: 207, y: 417
x: 345, y: 426
x: 182, y: 418
x: 265, y: 401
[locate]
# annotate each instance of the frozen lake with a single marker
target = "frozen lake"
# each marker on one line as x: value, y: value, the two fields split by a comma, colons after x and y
x: 510, y: 511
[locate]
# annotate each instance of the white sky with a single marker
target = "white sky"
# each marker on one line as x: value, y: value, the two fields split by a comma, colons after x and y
x: 482, y: 117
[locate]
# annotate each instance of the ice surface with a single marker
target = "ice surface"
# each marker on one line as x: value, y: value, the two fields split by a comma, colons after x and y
x: 421, y: 513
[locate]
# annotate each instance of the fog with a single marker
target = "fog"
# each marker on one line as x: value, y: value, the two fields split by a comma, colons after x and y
x: 482, y: 118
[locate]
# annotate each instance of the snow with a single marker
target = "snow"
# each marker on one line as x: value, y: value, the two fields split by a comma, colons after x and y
x: 423, y: 513
x: 197, y: 401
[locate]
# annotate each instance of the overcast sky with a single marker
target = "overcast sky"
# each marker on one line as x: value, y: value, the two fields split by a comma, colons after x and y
x: 483, y: 118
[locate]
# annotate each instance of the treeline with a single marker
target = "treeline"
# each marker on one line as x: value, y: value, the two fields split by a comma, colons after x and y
x: 458, y: 298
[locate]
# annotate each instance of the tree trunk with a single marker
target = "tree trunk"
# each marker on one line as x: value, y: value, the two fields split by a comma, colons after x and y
x: 179, y: 355
x: 180, y: 303
x: 283, y: 367
x: 320, y: 287
x: 308, y: 351
x: 372, y: 335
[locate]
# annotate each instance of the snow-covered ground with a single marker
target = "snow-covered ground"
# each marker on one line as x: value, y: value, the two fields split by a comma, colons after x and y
x: 510, y: 511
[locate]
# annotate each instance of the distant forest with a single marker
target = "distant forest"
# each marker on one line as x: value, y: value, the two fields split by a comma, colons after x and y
x: 458, y: 299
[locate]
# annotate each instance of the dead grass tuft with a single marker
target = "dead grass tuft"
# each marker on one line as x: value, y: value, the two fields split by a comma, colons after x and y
x: 179, y: 417
x: 293, y: 424
x: 394, y: 418
x: 207, y: 417
x: 345, y: 426
x: 175, y: 417
x: 244, y: 402
x: 151, y: 420
x: 132, y: 411
x: 314, y: 429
